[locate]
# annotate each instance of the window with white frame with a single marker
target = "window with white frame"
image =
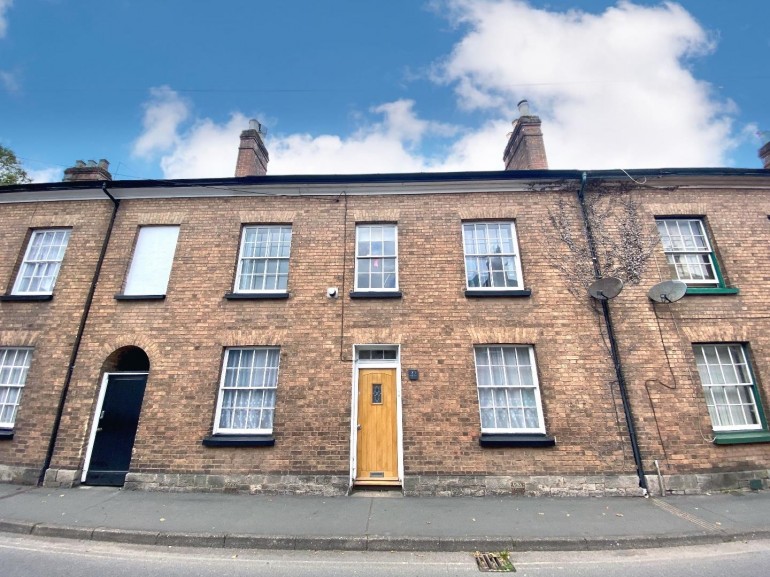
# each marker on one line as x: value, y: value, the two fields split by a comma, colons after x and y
x: 688, y: 251
x: 730, y: 390
x: 263, y: 263
x: 491, y: 256
x: 14, y: 364
x: 509, y: 395
x: 385, y: 354
x: 247, y: 389
x: 376, y: 257
x: 152, y: 260
x: 41, y: 263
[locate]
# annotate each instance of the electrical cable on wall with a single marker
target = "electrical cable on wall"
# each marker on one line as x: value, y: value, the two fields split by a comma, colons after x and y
x: 344, y: 270
x: 648, y: 382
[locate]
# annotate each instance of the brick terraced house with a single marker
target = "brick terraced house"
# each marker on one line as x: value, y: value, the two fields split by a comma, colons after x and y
x: 314, y: 334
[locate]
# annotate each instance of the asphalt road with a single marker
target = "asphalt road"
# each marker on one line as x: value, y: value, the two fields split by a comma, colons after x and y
x: 34, y: 556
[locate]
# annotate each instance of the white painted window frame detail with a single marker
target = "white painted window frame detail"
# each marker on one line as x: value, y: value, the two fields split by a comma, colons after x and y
x: 12, y: 377
x: 360, y: 258
x: 515, y: 255
x: 706, y: 251
x: 33, y: 264
x: 221, y: 393
x: 709, y: 387
x: 282, y: 228
x: 535, y: 386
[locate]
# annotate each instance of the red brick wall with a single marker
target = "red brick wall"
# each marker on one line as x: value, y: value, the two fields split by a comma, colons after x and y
x: 740, y: 233
x: 435, y: 324
x: 49, y: 327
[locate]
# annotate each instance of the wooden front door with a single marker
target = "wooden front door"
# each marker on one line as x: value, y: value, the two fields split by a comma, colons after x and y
x: 377, y: 441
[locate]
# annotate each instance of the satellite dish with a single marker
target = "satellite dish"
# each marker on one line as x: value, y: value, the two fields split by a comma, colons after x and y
x: 668, y: 291
x: 606, y: 288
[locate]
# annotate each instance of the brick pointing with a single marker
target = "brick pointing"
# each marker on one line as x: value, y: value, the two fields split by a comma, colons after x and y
x: 435, y: 325
x: 252, y: 155
x: 764, y: 155
x: 49, y: 327
x: 526, y: 149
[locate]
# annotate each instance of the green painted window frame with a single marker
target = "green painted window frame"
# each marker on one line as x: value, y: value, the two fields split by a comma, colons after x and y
x: 741, y: 437
x: 721, y: 288
x: 694, y: 288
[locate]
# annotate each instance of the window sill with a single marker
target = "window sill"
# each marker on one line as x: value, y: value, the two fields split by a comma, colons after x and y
x: 256, y: 296
x: 711, y: 291
x: 516, y: 440
x: 25, y: 298
x: 475, y: 293
x: 389, y: 294
x: 122, y: 297
x: 6, y: 434
x: 239, y: 441
x: 741, y: 437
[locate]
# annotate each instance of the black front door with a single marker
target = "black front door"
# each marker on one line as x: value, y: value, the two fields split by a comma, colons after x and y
x: 116, y: 430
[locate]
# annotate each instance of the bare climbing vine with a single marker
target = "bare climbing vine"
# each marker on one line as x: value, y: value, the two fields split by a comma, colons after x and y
x: 624, y: 242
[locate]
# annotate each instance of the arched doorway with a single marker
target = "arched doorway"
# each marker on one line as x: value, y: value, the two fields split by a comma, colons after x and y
x: 116, y: 418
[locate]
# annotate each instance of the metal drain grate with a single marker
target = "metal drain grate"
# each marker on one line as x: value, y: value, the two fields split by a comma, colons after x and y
x: 497, y: 562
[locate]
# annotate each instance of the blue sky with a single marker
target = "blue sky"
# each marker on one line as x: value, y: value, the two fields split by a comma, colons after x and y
x: 162, y: 89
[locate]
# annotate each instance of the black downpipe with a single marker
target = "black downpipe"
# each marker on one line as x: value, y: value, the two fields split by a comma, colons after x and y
x: 614, y: 353
x: 78, y: 339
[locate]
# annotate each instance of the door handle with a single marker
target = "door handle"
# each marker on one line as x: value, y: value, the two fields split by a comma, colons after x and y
x: 358, y: 427
x: 98, y: 429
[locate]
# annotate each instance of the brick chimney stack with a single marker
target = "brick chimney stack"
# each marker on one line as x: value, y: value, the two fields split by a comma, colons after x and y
x: 90, y: 170
x: 252, y: 154
x: 525, y: 149
x: 764, y: 153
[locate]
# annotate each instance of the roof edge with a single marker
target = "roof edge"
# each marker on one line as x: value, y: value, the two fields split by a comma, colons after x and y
x: 385, y: 178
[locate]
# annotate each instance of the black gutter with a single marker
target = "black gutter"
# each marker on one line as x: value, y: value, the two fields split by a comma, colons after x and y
x: 385, y: 178
x: 614, y: 352
x: 78, y: 338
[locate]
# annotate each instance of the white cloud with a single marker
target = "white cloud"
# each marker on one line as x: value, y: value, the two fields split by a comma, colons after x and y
x: 46, y: 175
x: 199, y: 149
x: 402, y: 123
x: 185, y: 148
x: 9, y: 81
x: 480, y: 149
x: 163, y: 114
x: 613, y: 89
x: 205, y: 148
x: 5, y: 5
x: 391, y: 145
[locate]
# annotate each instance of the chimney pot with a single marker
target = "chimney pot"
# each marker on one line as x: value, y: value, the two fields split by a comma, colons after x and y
x: 525, y: 149
x: 255, y: 125
x: 88, y: 171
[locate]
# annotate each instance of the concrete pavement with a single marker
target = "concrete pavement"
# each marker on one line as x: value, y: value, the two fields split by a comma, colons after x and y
x: 382, y: 521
